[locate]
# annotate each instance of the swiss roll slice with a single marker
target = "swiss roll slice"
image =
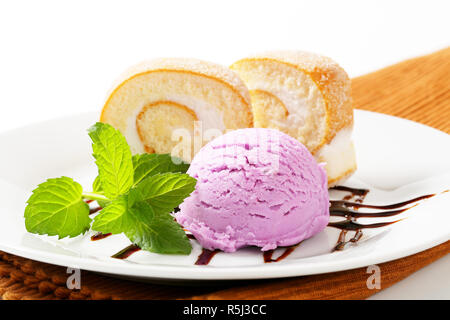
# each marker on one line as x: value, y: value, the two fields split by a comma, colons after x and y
x: 176, y: 105
x: 307, y: 96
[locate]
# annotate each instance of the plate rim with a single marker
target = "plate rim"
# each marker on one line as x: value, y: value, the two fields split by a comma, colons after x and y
x: 266, y: 271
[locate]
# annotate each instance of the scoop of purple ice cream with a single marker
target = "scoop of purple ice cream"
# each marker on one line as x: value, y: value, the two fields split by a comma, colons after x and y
x: 255, y: 187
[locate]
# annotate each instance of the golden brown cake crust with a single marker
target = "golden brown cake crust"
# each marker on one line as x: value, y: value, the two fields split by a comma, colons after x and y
x: 186, y: 65
x: 332, y: 81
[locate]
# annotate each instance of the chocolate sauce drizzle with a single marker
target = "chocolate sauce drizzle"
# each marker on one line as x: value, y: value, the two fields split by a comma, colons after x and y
x: 94, y: 210
x: 357, y: 194
x: 205, y: 257
x: 125, y: 253
x: 350, y: 225
x: 339, y: 208
x: 349, y: 210
x: 371, y: 206
x: 100, y: 236
x: 267, y: 255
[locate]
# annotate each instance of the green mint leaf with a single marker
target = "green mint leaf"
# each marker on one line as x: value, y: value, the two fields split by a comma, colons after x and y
x: 147, y: 165
x: 150, y: 230
x: 97, y: 185
x: 115, y: 218
x: 97, y: 188
x: 56, y: 208
x: 163, y: 192
x: 160, y: 234
x: 113, y: 159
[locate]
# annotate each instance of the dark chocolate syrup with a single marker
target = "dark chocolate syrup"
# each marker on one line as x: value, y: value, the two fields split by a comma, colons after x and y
x: 287, y: 251
x: 350, y: 225
x: 125, y: 253
x: 345, y: 212
x: 94, y: 210
x: 128, y: 251
x: 99, y: 236
x: 355, y: 194
x: 205, y: 257
x: 358, y: 196
x: 341, y: 203
x: 339, y: 208
x: 349, y: 210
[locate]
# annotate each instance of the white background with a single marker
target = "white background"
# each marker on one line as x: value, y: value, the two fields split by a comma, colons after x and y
x: 60, y: 57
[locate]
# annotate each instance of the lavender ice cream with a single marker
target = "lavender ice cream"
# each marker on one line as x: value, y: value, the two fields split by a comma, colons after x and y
x: 255, y: 187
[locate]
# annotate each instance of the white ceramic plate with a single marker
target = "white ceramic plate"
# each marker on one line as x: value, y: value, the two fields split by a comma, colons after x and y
x: 398, y: 160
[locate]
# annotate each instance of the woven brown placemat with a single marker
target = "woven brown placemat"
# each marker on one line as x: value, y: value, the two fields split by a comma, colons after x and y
x: 417, y: 89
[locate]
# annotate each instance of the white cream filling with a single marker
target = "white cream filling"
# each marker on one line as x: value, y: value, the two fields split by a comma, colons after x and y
x: 210, y: 118
x: 132, y: 135
x: 297, y: 107
x: 339, y: 154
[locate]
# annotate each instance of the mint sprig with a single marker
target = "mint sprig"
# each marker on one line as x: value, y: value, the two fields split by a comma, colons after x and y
x: 137, y: 194
x: 147, y: 165
x: 144, y: 221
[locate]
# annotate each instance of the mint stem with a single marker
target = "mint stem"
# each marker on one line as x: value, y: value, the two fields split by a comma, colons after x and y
x: 93, y: 196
